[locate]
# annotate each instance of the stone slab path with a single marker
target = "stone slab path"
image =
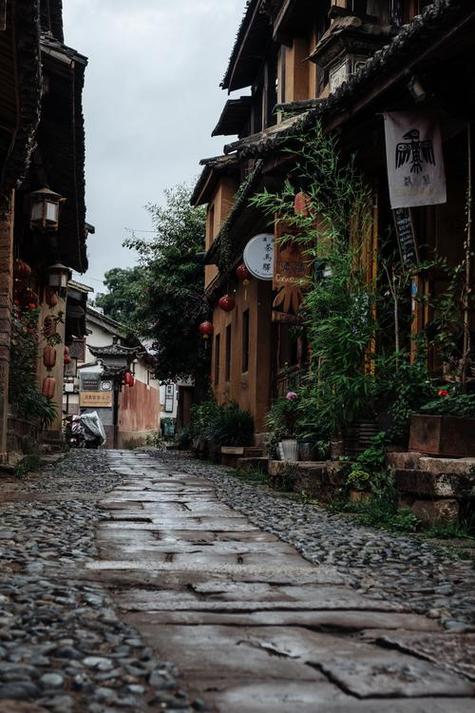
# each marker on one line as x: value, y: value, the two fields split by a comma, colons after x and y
x: 252, y: 626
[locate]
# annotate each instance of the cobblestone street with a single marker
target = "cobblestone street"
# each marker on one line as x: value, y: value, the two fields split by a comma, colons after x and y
x: 114, y: 563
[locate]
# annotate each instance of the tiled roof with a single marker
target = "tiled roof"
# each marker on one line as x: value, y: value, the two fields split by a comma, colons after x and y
x: 411, y: 41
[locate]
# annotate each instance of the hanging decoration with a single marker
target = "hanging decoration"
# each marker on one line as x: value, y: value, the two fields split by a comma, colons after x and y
x: 22, y: 269
x: 206, y: 329
x: 243, y: 274
x: 67, y: 356
x: 49, y: 357
x: 227, y: 303
x: 129, y: 379
x: 49, y: 387
x: 51, y: 297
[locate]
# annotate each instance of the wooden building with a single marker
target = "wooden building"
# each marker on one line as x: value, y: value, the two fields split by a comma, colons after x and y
x: 94, y: 381
x: 43, y: 225
x: 342, y: 64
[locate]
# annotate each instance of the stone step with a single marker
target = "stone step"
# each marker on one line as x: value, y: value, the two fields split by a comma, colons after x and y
x: 435, y: 485
x: 250, y: 464
x: 314, y: 478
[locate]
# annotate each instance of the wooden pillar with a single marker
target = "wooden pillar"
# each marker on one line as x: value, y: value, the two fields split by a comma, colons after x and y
x: 54, y: 431
x: 6, y: 301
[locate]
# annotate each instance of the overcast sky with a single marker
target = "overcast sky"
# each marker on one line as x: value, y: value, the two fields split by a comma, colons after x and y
x: 151, y: 100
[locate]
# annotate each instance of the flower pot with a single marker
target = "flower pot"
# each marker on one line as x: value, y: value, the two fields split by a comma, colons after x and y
x: 449, y: 436
x: 288, y: 449
x: 307, y: 452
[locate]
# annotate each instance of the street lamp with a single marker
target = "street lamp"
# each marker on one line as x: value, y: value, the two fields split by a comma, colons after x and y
x: 58, y: 277
x: 44, y: 214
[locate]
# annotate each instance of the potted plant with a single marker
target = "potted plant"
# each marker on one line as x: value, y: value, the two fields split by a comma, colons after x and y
x: 281, y: 422
x: 445, y: 426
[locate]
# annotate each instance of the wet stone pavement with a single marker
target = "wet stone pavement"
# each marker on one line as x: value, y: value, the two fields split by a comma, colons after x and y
x: 112, y: 564
x: 62, y: 646
x: 254, y: 627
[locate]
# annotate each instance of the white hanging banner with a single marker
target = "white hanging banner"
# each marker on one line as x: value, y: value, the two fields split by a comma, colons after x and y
x: 415, y: 160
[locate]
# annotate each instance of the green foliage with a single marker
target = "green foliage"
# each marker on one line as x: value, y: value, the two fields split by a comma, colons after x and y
x: 28, y: 464
x: 463, y: 530
x: 282, y: 418
x: 451, y: 405
x: 225, y: 425
x: 183, y: 438
x: 155, y: 440
x: 123, y: 300
x: 162, y: 298
x: 25, y: 399
x: 255, y: 476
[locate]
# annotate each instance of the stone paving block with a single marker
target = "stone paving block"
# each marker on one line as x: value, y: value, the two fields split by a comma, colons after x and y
x: 220, y: 652
x: 206, y: 523
x: 337, y: 621
x: 384, y: 676
x: 324, y: 597
x: 459, y: 649
x: 271, y: 697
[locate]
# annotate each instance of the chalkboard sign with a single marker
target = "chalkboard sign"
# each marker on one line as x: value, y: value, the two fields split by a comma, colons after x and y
x: 406, y: 236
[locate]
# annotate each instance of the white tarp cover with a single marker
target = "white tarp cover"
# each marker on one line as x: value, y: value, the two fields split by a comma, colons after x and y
x: 415, y: 160
x: 93, y: 426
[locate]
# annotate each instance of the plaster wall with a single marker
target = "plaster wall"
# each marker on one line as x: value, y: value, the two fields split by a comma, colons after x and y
x: 218, y: 210
x: 251, y: 389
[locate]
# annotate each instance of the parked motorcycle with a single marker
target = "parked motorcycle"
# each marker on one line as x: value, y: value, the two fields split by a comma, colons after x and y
x: 84, y: 431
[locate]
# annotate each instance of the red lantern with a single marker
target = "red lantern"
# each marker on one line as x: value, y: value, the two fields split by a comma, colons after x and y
x: 51, y: 297
x: 49, y: 387
x: 22, y: 269
x: 129, y: 379
x: 49, y: 357
x: 227, y: 303
x: 243, y: 274
x: 67, y: 356
x: 206, y: 329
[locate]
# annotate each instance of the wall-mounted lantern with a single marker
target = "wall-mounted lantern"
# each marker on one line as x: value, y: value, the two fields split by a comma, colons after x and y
x: 58, y: 277
x: 45, y: 210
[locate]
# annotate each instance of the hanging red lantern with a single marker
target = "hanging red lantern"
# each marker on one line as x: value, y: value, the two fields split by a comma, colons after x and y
x: 243, y: 274
x: 49, y: 357
x: 129, y: 379
x: 206, y: 329
x: 22, y: 269
x: 227, y: 303
x: 67, y: 356
x: 49, y: 387
x: 51, y: 297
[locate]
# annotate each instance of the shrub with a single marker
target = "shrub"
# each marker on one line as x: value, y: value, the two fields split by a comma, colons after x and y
x: 226, y: 425
x: 451, y: 405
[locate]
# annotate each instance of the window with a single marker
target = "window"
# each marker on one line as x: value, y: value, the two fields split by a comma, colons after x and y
x: 245, y: 341
x: 227, y: 371
x: 217, y: 357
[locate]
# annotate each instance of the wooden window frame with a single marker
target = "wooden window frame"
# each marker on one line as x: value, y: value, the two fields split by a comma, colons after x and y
x: 217, y: 358
x: 245, y: 341
x: 228, y: 357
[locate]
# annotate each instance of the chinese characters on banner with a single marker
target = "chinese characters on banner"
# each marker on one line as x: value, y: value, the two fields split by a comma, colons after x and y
x: 415, y: 160
x: 259, y: 256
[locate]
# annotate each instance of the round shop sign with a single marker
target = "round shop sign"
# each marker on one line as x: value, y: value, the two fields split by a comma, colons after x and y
x: 106, y: 385
x: 259, y: 256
